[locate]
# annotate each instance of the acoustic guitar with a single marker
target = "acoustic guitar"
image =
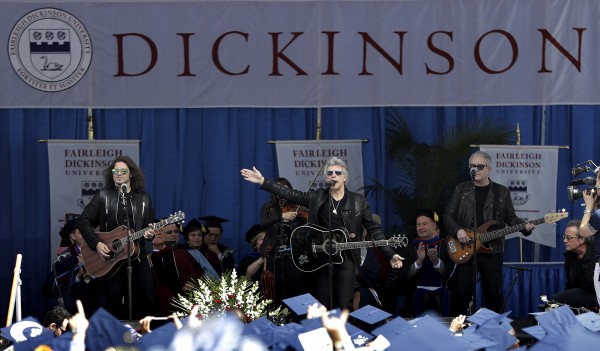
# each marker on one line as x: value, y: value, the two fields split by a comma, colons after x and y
x: 116, y: 240
x: 461, y: 253
x: 310, y: 247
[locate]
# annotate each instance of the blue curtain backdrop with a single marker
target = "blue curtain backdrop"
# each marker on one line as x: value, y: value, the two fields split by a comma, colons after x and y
x: 192, y: 157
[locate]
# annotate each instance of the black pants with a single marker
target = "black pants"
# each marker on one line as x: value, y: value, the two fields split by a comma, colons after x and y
x: 115, y: 291
x: 344, y: 278
x: 576, y: 297
x: 460, y: 284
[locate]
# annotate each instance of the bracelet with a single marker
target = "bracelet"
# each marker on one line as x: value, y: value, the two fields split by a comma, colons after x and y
x: 587, y: 211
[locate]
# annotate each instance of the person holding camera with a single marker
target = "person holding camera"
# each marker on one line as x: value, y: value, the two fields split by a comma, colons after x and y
x: 590, y: 223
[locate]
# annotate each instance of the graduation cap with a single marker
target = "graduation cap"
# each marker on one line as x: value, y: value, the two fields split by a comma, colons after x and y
x: 369, y: 317
x: 583, y: 340
x: 105, y: 331
x: 392, y: 329
x: 590, y: 321
x: 27, y: 328
x: 427, y: 213
x: 358, y: 336
x: 65, y: 232
x: 214, y: 221
x: 555, y: 328
x: 426, y: 333
x: 299, y: 304
x: 161, y: 336
x: 483, y: 315
x: 193, y: 224
x: 254, y: 231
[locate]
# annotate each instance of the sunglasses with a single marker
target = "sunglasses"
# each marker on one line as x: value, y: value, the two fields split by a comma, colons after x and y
x: 120, y: 171
x: 567, y: 237
x: 336, y: 173
x: 479, y: 167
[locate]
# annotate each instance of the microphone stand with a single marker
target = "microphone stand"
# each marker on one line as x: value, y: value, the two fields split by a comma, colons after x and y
x: 473, y: 307
x: 330, y: 249
x: 129, y: 268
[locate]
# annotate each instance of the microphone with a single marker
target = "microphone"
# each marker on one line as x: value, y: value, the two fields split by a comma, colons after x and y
x: 473, y: 171
x: 519, y: 268
x: 331, y: 183
x: 586, y: 180
x: 123, y: 188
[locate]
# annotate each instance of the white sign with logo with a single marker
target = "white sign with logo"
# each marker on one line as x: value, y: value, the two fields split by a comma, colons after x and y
x: 50, y: 49
x: 529, y: 173
x: 281, y: 53
x: 301, y: 162
x: 76, y: 173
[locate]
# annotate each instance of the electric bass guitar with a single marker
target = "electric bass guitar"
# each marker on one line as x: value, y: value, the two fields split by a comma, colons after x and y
x: 116, y: 240
x: 310, y: 249
x: 460, y: 253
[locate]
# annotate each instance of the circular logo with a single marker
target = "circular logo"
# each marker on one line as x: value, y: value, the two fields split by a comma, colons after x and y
x: 50, y: 49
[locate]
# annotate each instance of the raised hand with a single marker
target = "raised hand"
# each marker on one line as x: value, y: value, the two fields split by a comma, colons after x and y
x: 252, y: 175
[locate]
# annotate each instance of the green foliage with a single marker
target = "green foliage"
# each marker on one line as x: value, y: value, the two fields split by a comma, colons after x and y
x: 428, y: 173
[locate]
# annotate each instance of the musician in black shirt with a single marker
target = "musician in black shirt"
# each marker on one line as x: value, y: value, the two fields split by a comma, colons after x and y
x: 348, y: 210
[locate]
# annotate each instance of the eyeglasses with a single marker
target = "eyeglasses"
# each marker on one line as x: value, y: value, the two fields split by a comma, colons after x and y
x: 479, y: 167
x: 119, y: 171
x: 336, y: 173
x: 195, y: 235
x: 568, y: 237
x: 171, y: 231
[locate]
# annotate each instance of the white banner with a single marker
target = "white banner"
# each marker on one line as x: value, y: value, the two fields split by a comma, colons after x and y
x: 75, y: 169
x: 529, y: 172
x: 300, y: 162
x: 298, y: 53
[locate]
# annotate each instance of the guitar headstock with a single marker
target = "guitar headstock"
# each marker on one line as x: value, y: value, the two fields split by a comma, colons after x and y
x: 555, y: 216
x: 175, y: 218
x: 398, y: 240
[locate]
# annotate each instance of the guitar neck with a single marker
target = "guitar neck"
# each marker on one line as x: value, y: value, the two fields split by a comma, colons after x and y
x: 134, y: 236
x: 485, y: 237
x: 361, y: 244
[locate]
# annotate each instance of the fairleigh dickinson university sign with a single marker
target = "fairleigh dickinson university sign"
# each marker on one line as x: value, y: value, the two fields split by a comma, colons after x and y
x: 298, y: 53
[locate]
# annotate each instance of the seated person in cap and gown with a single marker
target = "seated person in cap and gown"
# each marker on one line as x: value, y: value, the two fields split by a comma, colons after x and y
x: 427, y: 267
x: 173, y: 268
x: 71, y: 277
x: 579, y: 269
x: 279, y: 223
x: 220, y: 256
x: 251, y: 265
x: 193, y: 233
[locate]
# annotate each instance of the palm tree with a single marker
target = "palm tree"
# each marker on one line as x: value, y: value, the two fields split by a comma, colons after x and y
x: 427, y: 173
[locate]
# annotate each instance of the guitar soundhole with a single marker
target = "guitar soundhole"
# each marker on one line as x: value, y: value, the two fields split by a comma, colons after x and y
x: 327, y: 249
x: 116, y: 247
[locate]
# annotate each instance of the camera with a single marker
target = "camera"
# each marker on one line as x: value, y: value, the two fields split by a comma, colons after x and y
x: 574, y: 193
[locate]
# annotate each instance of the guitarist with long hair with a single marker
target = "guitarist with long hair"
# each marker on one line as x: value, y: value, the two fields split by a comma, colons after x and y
x: 122, y: 179
x: 348, y: 210
x: 473, y: 204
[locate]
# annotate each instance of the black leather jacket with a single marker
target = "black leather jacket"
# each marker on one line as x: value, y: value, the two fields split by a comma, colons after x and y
x: 355, y: 214
x: 101, y: 212
x: 461, y: 208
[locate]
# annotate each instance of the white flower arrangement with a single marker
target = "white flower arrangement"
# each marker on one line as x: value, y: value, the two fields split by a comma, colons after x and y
x: 217, y: 298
